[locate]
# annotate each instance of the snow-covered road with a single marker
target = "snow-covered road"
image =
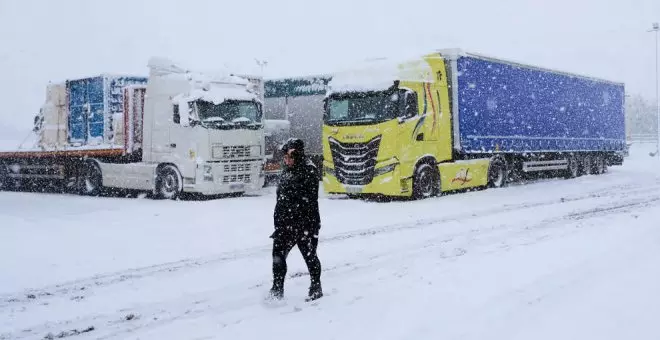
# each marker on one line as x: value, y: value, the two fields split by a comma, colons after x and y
x: 555, y: 259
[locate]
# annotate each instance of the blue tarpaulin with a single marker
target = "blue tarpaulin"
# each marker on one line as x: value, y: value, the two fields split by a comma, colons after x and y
x: 92, y: 103
x: 513, y: 108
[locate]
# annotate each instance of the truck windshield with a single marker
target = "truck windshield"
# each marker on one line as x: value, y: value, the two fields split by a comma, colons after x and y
x: 366, y: 107
x: 228, y: 114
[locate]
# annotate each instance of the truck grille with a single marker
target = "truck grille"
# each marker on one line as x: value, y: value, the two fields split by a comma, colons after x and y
x: 236, y: 173
x: 237, y: 167
x: 236, y: 178
x: 235, y: 151
x: 354, y: 162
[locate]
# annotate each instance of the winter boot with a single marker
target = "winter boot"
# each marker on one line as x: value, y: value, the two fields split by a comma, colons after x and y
x: 315, y: 292
x: 276, y: 294
x: 277, y: 291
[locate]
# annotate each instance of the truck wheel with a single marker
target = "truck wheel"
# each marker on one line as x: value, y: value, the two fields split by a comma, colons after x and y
x: 426, y: 182
x: 497, y: 173
x: 573, y: 168
x: 168, y: 183
x: 91, y: 180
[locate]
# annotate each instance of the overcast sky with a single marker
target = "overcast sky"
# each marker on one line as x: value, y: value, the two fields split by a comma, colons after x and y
x: 54, y: 40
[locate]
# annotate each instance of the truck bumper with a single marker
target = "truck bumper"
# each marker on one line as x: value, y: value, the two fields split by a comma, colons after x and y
x: 217, y: 178
x: 386, y: 184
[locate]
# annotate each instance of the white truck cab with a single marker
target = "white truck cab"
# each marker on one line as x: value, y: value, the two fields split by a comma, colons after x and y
x: 200, y: 134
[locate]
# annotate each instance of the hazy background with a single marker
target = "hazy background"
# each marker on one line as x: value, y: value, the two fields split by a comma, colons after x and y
x: 52, y: 40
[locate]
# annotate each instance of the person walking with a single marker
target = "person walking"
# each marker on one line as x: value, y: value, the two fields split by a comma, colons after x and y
x: 296, y: 217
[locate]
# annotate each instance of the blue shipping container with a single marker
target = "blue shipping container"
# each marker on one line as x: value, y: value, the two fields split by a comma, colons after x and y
x: 512, y: 108
x: 92, y: 104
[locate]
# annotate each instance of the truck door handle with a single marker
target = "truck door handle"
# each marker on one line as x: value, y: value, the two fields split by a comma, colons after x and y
x: 173, y: 145
x: 420, y: 136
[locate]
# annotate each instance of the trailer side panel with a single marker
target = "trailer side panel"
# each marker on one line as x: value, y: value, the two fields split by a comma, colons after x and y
x: 512, y: 108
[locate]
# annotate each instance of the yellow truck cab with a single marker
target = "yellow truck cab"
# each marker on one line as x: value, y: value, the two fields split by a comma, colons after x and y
x: 453, y: 120
x: 387, y: 130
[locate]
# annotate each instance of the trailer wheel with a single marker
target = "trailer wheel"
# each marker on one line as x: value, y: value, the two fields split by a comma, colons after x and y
x: 599, y: 165
x: 573, y: 168
x: 497, y: 173
x: 426, y: 182
x: 91, y: 180
x: 587, y: 165
x: 168, y: 183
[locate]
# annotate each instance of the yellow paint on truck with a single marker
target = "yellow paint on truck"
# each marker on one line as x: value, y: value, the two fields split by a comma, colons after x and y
x: 391, y: 154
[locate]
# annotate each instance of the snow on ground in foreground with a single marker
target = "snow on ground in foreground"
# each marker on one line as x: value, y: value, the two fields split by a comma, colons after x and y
x: 547, y: 260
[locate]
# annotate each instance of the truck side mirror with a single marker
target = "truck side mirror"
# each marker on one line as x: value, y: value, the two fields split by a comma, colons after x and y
x: 260, y: 111
x: 176, y: 117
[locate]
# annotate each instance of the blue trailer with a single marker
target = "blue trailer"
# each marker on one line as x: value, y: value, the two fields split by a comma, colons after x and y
x: 93, y: 104
x: 528, y: 118
x: 515, y: 108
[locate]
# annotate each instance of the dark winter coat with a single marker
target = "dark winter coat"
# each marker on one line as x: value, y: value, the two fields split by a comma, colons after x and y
x: 297, y: 208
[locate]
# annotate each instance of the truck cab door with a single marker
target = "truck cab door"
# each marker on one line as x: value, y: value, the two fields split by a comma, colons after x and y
x: 411, y: 133
x: 187, y: 142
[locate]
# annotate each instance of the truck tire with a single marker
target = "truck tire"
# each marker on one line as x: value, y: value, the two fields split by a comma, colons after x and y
x: 90, y: 180
x: 587, y: 165
x: 426, y: 182
x: 497, y: 173
x: 599, y: 165
x: 168, y: 183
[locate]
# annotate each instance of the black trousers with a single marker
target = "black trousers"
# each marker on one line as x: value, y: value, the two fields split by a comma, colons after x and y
x: 307, y: 244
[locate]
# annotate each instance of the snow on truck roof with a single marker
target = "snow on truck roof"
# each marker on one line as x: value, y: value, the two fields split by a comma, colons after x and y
x: 213, y: 86
x: 380, y: 73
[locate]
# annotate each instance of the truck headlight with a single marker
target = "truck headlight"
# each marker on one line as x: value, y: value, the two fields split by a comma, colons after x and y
x: 208, y: 173
x: 385, y: 169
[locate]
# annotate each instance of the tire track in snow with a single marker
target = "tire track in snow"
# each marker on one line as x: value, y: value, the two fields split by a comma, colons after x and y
x: 84, y: 285
x: 219, y: 306
x: 194, y: 305
x: 519, y: 302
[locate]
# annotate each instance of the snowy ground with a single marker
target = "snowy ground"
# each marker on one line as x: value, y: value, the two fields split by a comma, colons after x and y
x: 554, y: 259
